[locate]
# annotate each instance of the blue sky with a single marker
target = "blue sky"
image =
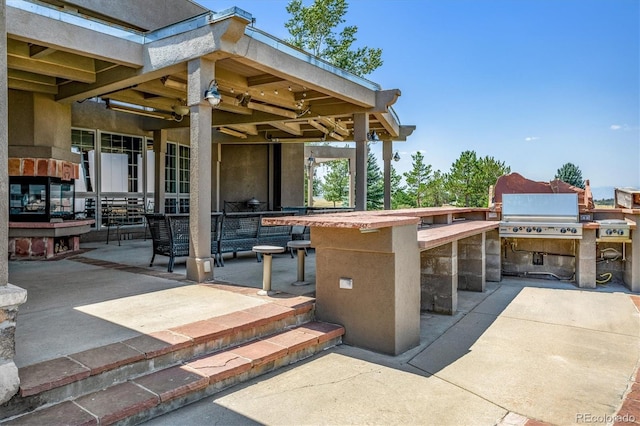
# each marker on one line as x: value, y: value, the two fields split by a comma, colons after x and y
x: 533, y: 83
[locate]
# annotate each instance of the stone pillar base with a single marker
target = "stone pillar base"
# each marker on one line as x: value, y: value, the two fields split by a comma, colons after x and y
x: 200, y: 269
x: 10, y: 298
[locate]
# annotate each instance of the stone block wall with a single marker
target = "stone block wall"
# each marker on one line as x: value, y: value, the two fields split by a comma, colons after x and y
x: 493, y: 256
x: 471, y: 263
x: 439, y: 279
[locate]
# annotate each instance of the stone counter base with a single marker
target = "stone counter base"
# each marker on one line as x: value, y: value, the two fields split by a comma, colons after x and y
x: 42, y: 247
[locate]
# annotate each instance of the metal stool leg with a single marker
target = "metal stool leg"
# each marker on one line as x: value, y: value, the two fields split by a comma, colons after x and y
x: 266, y: 275
x: 301, y: 255
x: 300, y: 265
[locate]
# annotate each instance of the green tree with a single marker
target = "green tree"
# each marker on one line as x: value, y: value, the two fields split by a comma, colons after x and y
x: 571, y: 174
x: 462, y: 182
x: 490, y: 170
x: 417, y: 179
x: 335, y: 186
x: 313, y: 28
x: 375, y: 183
x: 470, y: 177
x: 399, y: 197
x: 436, y: 191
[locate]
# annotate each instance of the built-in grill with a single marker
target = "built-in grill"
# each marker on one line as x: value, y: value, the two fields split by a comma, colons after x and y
x: 540, y: 216
x: 614, y: 230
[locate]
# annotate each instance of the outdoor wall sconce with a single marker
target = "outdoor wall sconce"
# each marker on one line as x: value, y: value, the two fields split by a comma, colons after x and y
x: 396, y: 157
x: 212, y: 95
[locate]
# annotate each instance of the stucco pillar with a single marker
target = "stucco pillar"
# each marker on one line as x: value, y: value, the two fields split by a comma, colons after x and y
x: 439, y: 279
x: 310, y: 171
x: 215, y: 177
x: 586, y: 259
x: 360, y: 130
x: 387, y: 148
x: 369, y: 282
x: 352, y: 182
x: 200, y: 263
x: 632, y: 265
x: 160, y: 152
x: 10, y: 296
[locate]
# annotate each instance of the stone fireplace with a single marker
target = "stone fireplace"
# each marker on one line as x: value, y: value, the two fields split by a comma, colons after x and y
x: 41, y: 208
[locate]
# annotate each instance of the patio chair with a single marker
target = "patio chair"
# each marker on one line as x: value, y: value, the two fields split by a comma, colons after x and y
x: 159, y: 229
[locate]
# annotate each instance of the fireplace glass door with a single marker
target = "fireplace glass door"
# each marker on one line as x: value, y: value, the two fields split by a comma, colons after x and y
x: 40, y: 199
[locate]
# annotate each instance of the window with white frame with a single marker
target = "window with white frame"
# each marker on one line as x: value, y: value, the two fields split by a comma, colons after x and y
x: 177, y: 179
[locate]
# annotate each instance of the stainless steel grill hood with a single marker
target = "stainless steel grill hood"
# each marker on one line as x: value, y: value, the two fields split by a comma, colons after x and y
x: 540, y: 216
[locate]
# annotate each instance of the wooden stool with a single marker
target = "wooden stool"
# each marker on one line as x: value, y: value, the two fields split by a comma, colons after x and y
x: 301, y: 246
x: 267, y: 252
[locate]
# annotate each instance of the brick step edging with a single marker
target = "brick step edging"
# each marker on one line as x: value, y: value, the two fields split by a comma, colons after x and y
x: 162, y: 391
x: 52, y: 381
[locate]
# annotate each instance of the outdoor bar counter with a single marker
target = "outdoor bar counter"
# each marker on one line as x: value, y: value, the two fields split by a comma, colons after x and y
x: 367, y: 276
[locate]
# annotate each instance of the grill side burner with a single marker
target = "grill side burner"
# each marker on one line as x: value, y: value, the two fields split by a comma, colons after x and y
x: 540, y: 216
x: 614, y: 230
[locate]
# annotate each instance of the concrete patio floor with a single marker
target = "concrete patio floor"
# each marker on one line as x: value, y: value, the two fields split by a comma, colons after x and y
x: 524, y: 349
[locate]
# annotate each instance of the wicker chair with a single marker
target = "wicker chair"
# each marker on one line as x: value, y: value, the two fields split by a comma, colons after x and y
x: 159, y: 229
x: 238, y: 232
x: 179, y: 237
x: 170, y: 235
x: 216, y: 219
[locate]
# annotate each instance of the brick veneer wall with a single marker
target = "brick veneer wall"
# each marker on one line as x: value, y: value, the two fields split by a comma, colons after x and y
x: 45, y: 167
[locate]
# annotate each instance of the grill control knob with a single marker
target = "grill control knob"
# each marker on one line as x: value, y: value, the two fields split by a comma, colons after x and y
x: 528, y: 229
x: 538, y: 229
x: 609, y: 232
x: 515, y: 229
x: 620, y: 232
x: 574, y: 230
x: 563, y: 230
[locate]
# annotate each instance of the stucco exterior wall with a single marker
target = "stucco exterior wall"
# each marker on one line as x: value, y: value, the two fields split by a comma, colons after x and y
x: 39, y: 127
x: 21, y: 117
x: 244, y: 172
x: 292, y: 172
x: 95, y: 115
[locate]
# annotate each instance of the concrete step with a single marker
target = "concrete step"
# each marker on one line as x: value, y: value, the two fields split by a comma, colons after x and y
x: 53, y: 381
x: 159, y: 392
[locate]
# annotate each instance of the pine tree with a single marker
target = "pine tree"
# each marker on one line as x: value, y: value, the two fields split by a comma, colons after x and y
x: 571, y: 174
x: 436, y: 192
x: 399, y: 198
x: 470, y: 177
x: 417, y: 179
x: 462, y: 182
x: 375, y: 183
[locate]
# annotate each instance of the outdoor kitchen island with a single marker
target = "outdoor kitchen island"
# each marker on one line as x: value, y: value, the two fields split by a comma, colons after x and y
x: 370, y: 269
x: 367, y: 276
